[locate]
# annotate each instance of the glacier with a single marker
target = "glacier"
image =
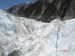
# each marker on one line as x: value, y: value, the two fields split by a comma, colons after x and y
x: 21, y: 36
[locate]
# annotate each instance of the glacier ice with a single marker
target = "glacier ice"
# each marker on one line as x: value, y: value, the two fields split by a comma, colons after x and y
x: 20, y: 36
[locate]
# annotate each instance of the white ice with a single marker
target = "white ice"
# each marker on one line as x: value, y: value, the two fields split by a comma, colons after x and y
x: 29, y: 37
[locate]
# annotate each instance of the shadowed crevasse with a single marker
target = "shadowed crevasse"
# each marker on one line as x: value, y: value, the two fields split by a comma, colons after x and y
x: 15, y: 53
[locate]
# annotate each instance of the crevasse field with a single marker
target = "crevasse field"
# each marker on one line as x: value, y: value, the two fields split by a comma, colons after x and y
x: 20, y: 36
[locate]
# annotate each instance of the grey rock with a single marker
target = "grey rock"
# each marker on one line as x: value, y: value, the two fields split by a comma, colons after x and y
x: 45, y: 10
x: 18, y: 9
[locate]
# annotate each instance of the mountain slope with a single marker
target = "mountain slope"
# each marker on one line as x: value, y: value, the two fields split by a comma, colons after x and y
x: 21, y: 36
x: 46, y: 10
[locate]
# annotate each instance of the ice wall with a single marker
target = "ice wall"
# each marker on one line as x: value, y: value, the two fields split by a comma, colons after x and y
x: 20, y: 36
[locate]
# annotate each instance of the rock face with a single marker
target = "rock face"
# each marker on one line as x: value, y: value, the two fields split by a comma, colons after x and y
x: 46, y: 10
x: 21, y: 36
x: 18, y: 9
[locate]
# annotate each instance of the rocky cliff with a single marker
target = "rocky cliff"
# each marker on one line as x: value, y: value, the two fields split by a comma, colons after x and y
x: 46, y: 10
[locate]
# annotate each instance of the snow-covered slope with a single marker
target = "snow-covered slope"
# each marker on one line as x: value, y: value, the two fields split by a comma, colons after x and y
x: 27, y: 37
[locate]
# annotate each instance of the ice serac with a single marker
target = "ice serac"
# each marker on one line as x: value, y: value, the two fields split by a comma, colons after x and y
x: 20, y: 36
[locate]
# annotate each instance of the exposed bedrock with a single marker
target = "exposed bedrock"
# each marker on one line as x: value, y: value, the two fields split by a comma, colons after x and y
x: 45, y: 10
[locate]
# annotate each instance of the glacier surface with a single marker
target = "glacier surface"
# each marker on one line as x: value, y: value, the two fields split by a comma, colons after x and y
x: 20, y: 36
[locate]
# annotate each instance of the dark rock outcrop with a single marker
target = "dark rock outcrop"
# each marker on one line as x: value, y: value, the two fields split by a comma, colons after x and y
x: 18, y: 9
x: 46, y: 10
